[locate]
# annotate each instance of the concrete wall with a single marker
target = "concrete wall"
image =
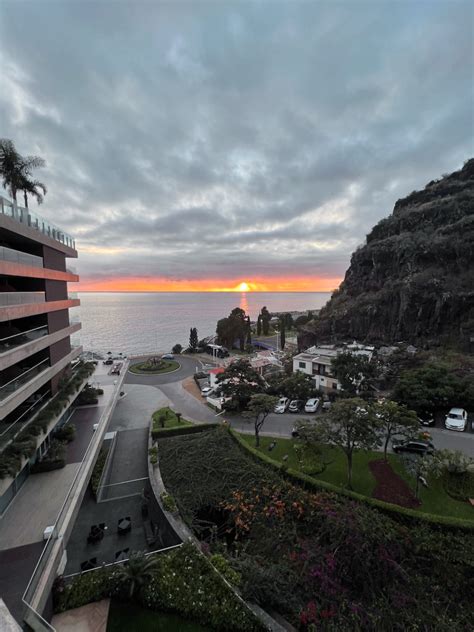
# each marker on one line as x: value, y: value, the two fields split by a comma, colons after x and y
x: 54, y: 259
x: 55, y: 290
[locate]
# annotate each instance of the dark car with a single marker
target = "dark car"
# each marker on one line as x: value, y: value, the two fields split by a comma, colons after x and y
x: 414, y: 447
x: 426, y: 419
x: 108, y: 361
x: 296, y: 406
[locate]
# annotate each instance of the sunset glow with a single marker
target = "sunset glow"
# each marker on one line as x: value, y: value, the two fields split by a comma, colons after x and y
x: 156, y: 284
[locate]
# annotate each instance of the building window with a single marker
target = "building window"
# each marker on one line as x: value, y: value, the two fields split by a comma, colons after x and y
x: 302, y: 365
x: 334, y: 384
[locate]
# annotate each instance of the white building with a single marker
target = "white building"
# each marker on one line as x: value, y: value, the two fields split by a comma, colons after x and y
x: 317, y: 362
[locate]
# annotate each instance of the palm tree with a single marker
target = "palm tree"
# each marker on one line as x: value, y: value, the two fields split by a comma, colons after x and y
x: 31, y: 187
x: 15, y: 171
x: 138, y: 571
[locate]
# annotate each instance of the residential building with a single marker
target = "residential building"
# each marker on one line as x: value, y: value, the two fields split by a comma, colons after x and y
x: 317, y: 362
x: 35, y: 330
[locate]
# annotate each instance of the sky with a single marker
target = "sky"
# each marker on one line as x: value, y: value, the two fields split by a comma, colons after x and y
x: 206, y: 145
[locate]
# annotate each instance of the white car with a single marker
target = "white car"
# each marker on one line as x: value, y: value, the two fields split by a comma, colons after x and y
x: 206, y: 391
x: 312, y: 405
x: 456, y: 419
x: 282, y: 405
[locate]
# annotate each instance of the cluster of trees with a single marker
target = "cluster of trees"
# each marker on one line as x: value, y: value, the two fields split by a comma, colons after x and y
x: 263, y: 322
x: 236, y: 327
x: 16, y: 172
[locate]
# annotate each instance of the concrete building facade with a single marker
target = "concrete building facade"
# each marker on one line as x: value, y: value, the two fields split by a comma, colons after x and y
x: 35, y: 330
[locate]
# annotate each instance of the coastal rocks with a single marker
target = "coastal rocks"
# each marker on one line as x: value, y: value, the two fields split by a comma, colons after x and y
x: 413, y: 280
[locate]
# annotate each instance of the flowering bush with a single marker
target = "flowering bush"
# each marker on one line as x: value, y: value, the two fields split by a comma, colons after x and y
x: 183, y: 582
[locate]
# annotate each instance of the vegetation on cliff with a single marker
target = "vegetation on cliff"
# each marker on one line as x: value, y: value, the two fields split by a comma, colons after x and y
x: 413, y: 280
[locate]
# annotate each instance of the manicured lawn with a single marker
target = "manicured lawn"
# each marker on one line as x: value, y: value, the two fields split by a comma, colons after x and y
x: 434, y: 499
x: 167, y: 367
x: 171, y: 421
x: 131, y: 618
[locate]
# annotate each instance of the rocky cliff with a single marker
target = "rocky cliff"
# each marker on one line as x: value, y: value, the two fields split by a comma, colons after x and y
x: 413, y: 280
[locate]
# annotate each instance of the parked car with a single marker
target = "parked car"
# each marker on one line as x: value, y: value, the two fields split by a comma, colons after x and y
x: 426, y: 419
x: 326, y: 406
x: 108, y: 361
x: 296, y: 406
x: 206, y: 391
x: 456, y: 419
x: 282, y: 405
x: 312, y: 405
x: 167, y: 356
x: 414, y: 447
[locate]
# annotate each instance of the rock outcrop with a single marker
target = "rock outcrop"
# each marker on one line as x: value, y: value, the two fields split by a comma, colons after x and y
x: 413, y: 280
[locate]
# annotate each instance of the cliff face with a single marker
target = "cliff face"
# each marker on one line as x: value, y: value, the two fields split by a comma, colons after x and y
x: 413, y: 280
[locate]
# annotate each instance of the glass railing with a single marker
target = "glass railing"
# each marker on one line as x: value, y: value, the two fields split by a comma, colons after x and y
x: 9, y: 431
x: 33, y: 220
x: 16, y: 256
x: 10, y: 342
x: 21, y: 298
x: 13, y: 385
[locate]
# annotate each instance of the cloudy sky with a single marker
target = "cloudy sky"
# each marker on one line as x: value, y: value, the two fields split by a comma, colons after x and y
x: 199, y: 145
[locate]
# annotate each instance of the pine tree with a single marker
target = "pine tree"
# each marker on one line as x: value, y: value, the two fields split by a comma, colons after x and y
x: 193, y: 339
x: 282, y: 334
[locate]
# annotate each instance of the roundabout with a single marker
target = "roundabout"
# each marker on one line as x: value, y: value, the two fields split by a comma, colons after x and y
x: 186, y: 366
x: 154, y: 366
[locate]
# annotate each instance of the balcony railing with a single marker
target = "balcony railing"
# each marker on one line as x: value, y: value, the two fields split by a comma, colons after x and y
x: 16, y: 340
x: 16, y: 256
x: 33, y: 220
x: 8, y: 432
x: 13, y: 385
x: 21, y: 298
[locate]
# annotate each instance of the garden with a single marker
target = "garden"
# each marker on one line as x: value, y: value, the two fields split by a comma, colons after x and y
x: 166, y: 418
x: 321, y: 560
x: 181, y: 581
x: 154, y: 366
x: 446, y: 496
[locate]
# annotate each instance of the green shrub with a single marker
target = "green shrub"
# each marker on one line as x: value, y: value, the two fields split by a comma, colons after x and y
x: 97, y: 471
x: 54, y: 459
x: 225, y: 569
x: 66, y: 433
x: 459, y: 486
x: 153, y: 453
x: 168, y: 502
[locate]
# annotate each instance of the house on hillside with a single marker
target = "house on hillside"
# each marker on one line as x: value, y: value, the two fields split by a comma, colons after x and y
x: 317, y: 362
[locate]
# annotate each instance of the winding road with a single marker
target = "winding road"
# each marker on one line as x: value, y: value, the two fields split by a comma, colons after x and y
x: 171, y: 392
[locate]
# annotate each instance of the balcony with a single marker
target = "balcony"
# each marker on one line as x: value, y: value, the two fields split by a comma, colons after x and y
x: 21, y: 298
x: 16, y: 256
x: 16, y: 340
x: 13, y: 385
x: 27, y: 412
x: 31, y: 219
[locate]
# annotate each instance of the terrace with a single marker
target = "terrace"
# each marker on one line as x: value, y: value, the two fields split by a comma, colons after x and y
x: 34, y: 220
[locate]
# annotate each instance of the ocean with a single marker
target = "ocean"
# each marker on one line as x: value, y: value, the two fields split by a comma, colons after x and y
x: 134, y: 323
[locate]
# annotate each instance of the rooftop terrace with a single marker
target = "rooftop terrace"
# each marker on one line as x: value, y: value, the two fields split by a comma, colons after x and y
x: 29, y: 218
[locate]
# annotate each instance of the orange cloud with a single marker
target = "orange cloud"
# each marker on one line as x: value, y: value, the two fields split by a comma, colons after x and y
x: 138, y: 284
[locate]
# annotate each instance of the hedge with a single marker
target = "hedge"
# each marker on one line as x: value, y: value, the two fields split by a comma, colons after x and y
x: 407, y: 515
x: 173, y: 432
x: 98, y: 469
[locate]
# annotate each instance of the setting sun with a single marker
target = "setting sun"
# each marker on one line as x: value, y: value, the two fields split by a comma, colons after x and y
x: 243, y: 287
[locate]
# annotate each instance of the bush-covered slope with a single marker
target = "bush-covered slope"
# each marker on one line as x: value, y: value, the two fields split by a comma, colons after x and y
x: 413, y: 280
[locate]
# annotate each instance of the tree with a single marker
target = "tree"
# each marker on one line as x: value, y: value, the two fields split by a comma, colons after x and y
x: 349, y: 425
x: 395, y: 420
x: 296, y: 386
x: 421, y: 467
x: 282, y: 334
x: 177, y: 349
x: 356, y: 373
x: 249, y: 332
x: 259, y: 325
x: 232, y: 328
x: 240, y: 381
x: 301, y: 320
x: 288, y: 321
x: 193, y: 339
x: 259, y: 407
x: 138, y: 571
x: 431, y: 388
x: 15, y: 171
x: 266, y: 317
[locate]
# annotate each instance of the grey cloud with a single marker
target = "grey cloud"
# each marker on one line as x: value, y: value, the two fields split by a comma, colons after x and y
x: 234, y: 138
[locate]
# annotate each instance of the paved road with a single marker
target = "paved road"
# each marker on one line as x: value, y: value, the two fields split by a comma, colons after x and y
x: 277, y: 425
